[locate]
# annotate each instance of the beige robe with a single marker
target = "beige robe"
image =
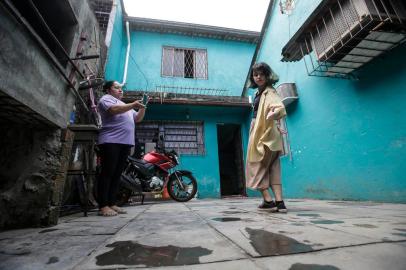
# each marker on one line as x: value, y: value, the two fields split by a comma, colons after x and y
x: 265, y: 132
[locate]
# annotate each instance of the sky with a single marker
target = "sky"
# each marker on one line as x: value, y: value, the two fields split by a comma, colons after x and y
x: 237, y: 14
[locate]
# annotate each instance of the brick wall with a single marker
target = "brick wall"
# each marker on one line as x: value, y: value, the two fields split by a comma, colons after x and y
x: 102, y: 9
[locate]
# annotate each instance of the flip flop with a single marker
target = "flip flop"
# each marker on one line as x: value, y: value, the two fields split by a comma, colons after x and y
x: 118, y: 210
x: 108, y: 213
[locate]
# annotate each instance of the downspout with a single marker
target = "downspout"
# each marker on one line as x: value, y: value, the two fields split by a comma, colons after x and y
x: 127, y: 26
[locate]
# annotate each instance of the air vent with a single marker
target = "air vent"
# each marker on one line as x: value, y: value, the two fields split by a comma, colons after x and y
x: 288, y: 93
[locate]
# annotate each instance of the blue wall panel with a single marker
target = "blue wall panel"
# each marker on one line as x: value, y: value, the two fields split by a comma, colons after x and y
x: 204, y: 167
x: 228, y: 62
x: 348, y: 138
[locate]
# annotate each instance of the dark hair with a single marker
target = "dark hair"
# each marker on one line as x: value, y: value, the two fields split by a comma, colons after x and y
x: 107, y: 85
x: 271, y: 77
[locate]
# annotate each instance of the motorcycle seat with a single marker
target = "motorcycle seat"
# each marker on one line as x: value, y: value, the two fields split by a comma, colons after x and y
x: 141, y: 163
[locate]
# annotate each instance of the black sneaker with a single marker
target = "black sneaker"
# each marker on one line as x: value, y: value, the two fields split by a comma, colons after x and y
x: 271, y: 206
x: 281, y: 207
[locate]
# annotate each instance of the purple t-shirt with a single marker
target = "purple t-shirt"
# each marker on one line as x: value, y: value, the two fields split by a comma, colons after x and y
x: 117, y: 128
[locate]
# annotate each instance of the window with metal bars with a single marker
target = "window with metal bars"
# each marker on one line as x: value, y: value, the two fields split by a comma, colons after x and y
x: 186, y: 63
x: 185, y: 137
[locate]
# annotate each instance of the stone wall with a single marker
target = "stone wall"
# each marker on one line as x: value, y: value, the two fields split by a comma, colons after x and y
x: 102, y: 9
x: 34, y: 156
x: 32, y: 174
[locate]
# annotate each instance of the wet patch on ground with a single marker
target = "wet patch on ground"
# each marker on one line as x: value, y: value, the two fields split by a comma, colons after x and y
x: 369, y: 226
x: 53, y: 260
x: 133, y: 253
x: 308, y: 215
x: 268, y: 243
x: 234, y: 212
x: 17, y: 251
x: 297, y: 224
x: 237, y: 202
x: 231, y: 219
x: 326, y: 221
x: 47, y: 230
x: 354, y: 203
x: 399, y: 234
x: 399, y: 223
x: 301, y: 266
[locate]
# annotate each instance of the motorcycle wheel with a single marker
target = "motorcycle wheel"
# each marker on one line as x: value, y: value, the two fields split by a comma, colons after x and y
x: 179, y: 194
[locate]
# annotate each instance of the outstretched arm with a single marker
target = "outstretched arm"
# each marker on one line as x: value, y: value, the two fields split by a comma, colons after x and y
x: 140, y: 115
x: 122, y: 108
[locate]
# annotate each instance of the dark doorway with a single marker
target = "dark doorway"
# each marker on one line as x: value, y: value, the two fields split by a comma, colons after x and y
x: 232, y: 181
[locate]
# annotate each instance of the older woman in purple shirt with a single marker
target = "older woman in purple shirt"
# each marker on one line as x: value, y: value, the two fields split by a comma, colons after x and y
x: 116, y: 138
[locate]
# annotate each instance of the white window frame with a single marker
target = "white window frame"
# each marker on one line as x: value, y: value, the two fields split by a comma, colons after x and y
x: 168, y: 62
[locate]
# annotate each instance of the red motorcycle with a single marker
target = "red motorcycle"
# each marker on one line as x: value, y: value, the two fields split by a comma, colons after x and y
x: 153, y: 173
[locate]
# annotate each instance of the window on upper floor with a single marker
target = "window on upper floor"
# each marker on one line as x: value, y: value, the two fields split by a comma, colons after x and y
x: 182, y: 62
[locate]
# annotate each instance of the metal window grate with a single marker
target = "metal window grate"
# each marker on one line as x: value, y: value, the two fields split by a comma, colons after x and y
x: 186, y: 63
x: 344, y: 35
x: 185, y: 137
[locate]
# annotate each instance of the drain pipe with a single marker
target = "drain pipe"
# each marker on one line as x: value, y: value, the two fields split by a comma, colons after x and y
x: 127, y: 26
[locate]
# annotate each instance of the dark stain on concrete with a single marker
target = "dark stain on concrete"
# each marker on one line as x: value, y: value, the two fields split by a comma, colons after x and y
x: 268, y: 243
x: 48, y: 230
x: 317, y: 245
x: 308, y: 215
x: 226, y: 219
x: 132, y: 253
x: 17, y: 251
x: 369, y: 226
x: 399, y: 223
x: 53, y: 260
x: 234, y: 212
x: 399, y: 234
x: 354, y: 203
x: 301, y: 266
x: 326, y: 221
x: 296, y: 224
x: 401, y: 230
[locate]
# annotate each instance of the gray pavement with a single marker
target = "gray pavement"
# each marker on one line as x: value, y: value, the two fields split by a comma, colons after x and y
x: 218, y: 234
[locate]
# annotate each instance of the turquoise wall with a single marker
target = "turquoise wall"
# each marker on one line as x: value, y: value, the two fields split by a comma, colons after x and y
x: 228, y: 62
x: 116, y: 52
x: 204, y: 167
x: 348, y: 138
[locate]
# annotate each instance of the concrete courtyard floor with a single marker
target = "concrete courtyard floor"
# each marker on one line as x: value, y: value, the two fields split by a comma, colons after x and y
x: 218, y: 234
